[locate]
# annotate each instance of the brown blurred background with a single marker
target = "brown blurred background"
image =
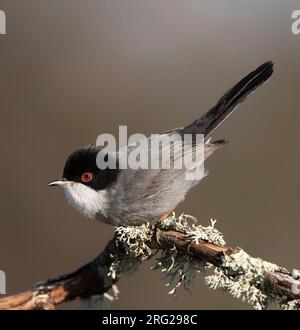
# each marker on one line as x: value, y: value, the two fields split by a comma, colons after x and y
x: 71, y: 70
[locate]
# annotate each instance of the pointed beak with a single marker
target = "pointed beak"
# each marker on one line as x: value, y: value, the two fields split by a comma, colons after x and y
x: 62, y: 182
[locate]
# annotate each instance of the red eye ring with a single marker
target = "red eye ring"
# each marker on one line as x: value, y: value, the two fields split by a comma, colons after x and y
x: 87, y: 177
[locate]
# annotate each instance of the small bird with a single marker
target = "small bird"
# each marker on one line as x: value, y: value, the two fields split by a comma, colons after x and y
x: 126, y: 197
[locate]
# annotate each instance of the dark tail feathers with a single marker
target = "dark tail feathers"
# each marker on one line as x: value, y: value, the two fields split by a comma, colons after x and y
x: 229, y: 102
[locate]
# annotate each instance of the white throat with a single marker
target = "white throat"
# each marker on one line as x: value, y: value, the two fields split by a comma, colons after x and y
x: 86, y: 200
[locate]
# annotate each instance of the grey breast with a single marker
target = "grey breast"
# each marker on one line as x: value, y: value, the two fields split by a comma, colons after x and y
x: 144, y: 195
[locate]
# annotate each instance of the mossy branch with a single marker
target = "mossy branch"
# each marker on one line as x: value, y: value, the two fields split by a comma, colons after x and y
x: 186, y: 248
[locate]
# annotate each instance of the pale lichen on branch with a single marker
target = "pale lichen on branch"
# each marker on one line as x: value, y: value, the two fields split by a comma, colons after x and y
x: 181, y: 248
x: 239, y: 274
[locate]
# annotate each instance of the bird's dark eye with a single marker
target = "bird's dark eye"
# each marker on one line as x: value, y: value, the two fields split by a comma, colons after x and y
x: 87, y: 177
